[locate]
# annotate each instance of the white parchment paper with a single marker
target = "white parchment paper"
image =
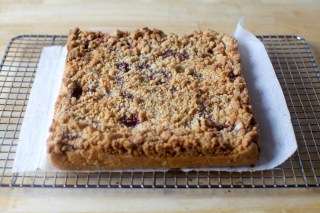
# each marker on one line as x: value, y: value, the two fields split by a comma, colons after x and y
x: 277, y: 139
x: 31, y: 150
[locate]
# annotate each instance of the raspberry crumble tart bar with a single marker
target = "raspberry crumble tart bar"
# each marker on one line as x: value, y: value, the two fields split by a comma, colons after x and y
x: 145, y: 99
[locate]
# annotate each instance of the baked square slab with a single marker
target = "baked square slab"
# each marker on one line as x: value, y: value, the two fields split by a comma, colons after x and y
x: 145, y: 99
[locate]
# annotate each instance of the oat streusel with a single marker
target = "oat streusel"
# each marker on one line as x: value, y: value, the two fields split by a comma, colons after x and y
x: 145, y: 99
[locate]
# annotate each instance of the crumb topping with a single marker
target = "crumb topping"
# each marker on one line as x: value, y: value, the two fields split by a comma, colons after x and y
x: 148, y: 93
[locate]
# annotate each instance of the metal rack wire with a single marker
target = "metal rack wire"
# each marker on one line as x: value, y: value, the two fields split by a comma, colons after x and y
x: 297, y: 73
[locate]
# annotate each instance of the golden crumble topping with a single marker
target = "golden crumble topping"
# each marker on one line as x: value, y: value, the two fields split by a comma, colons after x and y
x: 145, y: 93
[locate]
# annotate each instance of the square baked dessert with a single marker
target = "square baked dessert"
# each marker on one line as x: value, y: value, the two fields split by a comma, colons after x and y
x: 145, y: 99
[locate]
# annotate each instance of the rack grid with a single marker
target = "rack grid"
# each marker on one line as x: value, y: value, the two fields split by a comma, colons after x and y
x: 297, y: 73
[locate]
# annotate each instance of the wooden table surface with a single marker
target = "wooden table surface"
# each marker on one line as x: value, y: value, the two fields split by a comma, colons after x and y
x: 262, y: 17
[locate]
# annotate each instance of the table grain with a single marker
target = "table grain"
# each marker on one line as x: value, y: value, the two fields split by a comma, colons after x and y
x: 289, y: 17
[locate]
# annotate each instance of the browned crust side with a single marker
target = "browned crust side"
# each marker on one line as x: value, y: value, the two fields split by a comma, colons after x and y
x: 95, y: 160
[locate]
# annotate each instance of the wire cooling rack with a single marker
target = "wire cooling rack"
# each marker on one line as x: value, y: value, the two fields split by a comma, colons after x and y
x: 297, y: 73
